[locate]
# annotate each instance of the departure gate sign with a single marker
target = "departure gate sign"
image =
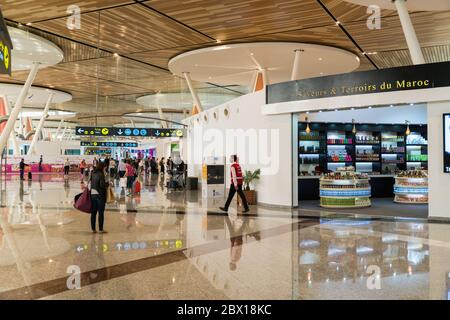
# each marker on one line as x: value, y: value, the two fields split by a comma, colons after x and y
x: 128, y: 132
x: 109, y: 144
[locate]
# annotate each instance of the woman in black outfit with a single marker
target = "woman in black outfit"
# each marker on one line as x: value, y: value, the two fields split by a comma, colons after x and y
x: 98, y: 196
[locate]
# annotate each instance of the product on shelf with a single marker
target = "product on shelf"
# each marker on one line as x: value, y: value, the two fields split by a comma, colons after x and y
x: 367, y: 139
x: 416, y: 138
x: 345, y: 188
x: 411, y: 186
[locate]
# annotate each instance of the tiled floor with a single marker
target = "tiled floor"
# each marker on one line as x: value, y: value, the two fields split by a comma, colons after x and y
x: 174, y: 245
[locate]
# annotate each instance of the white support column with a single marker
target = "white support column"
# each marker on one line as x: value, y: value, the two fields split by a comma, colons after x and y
x: 64, y: 132
x: 59, y: 128
x: 295, y: 67
x: 18, y: 106
x: 161, y: 115
x: 40, y: 125
x: 16, y: 150
x: 410, y: 34
x: 193, y: 91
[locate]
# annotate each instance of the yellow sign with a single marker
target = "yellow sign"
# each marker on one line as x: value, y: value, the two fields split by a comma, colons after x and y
x: 105, y: 131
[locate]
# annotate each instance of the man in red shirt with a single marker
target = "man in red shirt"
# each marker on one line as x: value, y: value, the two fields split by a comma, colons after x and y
x: 236, y: 185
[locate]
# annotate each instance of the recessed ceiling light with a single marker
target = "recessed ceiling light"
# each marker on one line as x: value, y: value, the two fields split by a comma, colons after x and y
x: 29, y: 24
x: 411, y: 104
x: 116, y: 55
x: 320, y: 59
x: 335, y: 109
x: 353, y: 108
x: 338, y: 22
x: 251, y: 53
x: 218, y: 41
x: 321, y: 73
x: 370, y: 107
x: 392, y: 105
x: 320, y: 110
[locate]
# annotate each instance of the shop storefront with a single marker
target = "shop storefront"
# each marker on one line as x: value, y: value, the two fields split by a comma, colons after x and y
x: 368, y: 142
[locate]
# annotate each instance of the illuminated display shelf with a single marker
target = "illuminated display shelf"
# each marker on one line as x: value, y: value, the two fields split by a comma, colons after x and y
x: 411, y: 190
x: 345, y: 193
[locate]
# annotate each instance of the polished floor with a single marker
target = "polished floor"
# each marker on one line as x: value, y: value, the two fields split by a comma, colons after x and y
x: 174, y: 245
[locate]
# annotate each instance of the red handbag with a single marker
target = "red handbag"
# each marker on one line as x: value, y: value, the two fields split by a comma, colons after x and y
x: 83, y: 201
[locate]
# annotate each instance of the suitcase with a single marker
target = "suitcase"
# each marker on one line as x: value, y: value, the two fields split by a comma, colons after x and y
x: 137, y: 187
x: 30, y: 175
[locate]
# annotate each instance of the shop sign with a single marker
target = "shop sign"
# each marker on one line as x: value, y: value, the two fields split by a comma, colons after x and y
x: 5, y: 47
x: 424, y: 76
x: 129, y: 132
x: 109, y: 144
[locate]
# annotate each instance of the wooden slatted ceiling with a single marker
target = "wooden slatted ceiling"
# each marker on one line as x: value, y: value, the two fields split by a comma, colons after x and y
x: 225, y: 20
x: 25, y: 11
x: 126, y: 29
x: 387, y: 59
x: 432, y: 28
x: 346, y: 12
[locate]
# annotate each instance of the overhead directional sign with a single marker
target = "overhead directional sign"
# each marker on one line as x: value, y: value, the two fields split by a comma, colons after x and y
x: 128, y: 132
x: 108, y: 144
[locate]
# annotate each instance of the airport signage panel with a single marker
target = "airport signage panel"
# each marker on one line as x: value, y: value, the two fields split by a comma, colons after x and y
x: 128, y: 132
x: 423, y: 76
x: 109, y: 144
x: 5, y: 47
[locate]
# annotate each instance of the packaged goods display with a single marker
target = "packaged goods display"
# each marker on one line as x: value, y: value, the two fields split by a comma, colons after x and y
x: 411, y: 187
x: 345, y: 188
x: 372, y: 148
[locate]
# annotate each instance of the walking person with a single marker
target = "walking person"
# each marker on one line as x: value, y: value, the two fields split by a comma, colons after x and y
x: 130, y: 173
x: 40, y: 164
x: 161, y: 165
x: 122, y: 167
x: 22, y: 166
x: 236, y: 185
x: 66, y: 166
x: 98, y: 197
x: 112, y: 168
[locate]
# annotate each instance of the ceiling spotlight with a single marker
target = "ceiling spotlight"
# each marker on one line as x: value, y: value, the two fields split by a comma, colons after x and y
x: 251, y: 53
x: 116, y: 55
x: 392, y: 105
x: 320, y: 110
x: 218, y: 41
x: 29, y: 24
x: 353, y: 108
x: 321, y: 73
x: 338, y: 22
x: 354, y: 126
x: 370, y: 107
x: 320, y: 59
x: 411, y: 104
x: 335, y: 109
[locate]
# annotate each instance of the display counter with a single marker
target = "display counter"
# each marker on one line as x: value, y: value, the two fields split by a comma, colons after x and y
x: 345, y: 190
x: 411, y: 187
x: 382, y: 186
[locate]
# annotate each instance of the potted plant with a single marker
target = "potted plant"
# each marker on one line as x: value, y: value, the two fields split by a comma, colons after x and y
x: 249, y: 178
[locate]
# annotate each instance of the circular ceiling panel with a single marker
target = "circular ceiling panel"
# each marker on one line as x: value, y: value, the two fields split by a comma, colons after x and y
x: 36, y: 96
x: 238, y: 64
x: 180, y: 101
x: 29, y: 48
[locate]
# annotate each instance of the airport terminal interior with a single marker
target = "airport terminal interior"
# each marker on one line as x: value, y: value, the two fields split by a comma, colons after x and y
x: 126, y: 125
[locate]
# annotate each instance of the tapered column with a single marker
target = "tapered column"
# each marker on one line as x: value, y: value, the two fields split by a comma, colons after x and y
x: 295, y: 67
x: 410, y: 34
x: 64, y: 132
x: 193, y: 92
x: 59, y: 129
x: 40, y: 125
x: 18, y: 107
x: 16, y: 150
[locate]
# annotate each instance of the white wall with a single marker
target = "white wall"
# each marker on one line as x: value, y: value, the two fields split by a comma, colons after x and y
x: 260, y: 141
x: 439, y: 182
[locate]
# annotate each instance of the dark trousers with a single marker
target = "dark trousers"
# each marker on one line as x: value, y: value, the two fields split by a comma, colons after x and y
x: 66, y: 169
x: 98, y: 205
x: 21, y: 174
x: 232, y: 193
